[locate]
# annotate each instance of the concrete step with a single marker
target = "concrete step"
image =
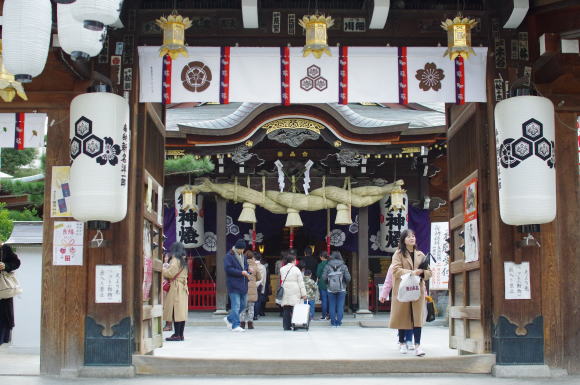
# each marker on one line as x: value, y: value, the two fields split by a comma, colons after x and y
x: 160, y: 366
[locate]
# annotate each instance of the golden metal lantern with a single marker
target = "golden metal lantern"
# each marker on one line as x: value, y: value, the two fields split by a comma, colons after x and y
x: 397, y: 199
x: 173, y: 27
x: 316, y: 37
x: 9, y: 87
x: 459, y: 36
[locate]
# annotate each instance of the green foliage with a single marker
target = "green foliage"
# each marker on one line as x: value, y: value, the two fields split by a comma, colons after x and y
x: 188, y: 165
x: 34, y: 189
x: 13, y: 159
x: 5, y: 223
x: 7, y: 217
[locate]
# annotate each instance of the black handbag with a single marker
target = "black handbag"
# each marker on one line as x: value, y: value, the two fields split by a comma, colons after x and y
x: 430, y: 311
x: 280, y: 291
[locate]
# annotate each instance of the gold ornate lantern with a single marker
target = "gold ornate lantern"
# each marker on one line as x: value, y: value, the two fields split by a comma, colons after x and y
x: 173, y: 27
x: 9, y: 87
x: 316, y: 37
x: 459, y: 36
x: 397, y: 199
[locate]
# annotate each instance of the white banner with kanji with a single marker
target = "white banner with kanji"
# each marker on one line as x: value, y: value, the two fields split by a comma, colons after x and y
x: 22, y: 130
x: 283, y: 75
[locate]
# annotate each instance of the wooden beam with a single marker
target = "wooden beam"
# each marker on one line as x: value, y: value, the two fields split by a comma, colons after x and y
x: 457, y: 191
x: 221, y: 295
x: 463, y: 117
x: 465, y: 312
x: 155, y: 118
x: 461, y: 266
x: 363, y: 261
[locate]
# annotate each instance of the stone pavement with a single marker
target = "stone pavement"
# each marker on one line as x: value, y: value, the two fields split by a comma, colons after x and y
x: 431, y: 379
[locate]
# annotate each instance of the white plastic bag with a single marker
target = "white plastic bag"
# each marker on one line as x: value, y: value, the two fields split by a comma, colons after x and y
x: 409, y: 289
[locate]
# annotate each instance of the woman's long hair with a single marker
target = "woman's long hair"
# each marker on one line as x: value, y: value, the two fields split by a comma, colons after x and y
x: 402, y: 246
x: 177, y: 250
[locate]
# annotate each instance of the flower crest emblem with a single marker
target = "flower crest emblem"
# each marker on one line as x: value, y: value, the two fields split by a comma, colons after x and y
x: 430, y: 77
x: 210, y: 241
x: 110, y: 153
x: 337, y: 237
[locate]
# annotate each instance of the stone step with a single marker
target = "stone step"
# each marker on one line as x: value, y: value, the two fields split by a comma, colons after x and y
x: 160, y: 366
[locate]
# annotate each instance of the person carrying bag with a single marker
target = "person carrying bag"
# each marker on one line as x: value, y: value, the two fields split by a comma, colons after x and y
x: 9, y: 287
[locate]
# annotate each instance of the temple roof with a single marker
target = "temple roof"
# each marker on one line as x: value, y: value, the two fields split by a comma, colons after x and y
x: 224, y: 116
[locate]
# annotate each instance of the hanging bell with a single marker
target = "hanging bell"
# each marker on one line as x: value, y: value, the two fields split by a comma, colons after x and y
x: 293, y: 219
x: 248, y: 214
x: 343, y: 215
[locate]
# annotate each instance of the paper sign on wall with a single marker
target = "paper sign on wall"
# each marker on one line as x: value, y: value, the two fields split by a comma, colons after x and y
x: 60, y: 192
x: 439, y: 250
x: 471, y: 235
x: 68, y: 243
x: 109, y: 284
x: 517, y: 280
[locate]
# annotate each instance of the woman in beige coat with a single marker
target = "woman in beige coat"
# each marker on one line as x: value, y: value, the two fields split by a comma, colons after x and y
x: 294, y: 290
x: 175, y: 306
x: 408, y: 315
x: 247, y: 315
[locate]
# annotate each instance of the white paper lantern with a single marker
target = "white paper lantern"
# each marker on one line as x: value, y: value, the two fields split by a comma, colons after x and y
x: 95, y: 14
x: 26, y: 37
x: 392, y: 223
x: 189, y: 224
x: 74, y: 38
x: 525, y: 160
x: 100, y: 138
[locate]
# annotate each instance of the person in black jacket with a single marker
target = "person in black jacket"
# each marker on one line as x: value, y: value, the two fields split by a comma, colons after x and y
x: 310, y: 262
x: 8, y: 262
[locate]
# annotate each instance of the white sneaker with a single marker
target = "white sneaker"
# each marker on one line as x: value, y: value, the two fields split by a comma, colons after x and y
x: 403, y: 349
x: 410, y: 346
x: 419, y: 352
x: 238, y: 330
x: 228, y: 324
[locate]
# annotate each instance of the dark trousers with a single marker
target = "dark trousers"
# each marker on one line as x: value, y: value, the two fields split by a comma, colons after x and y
x: 404, y: 335
x: 179, y: 328
x: 287, y: 317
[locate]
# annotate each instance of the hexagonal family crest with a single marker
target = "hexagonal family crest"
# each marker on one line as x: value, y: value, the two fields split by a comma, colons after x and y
x: 513, y: 152
x: 313, y: 79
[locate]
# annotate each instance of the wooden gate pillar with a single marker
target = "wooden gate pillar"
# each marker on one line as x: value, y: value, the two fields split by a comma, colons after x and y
x: 221, y: 290
x: 363, y: 264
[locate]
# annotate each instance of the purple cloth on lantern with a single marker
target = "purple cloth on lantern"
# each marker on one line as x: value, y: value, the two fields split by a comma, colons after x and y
x: 169, y: 226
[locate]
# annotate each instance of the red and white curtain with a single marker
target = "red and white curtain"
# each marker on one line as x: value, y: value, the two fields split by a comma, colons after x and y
x: 282, y: 75
x: 22, y: 130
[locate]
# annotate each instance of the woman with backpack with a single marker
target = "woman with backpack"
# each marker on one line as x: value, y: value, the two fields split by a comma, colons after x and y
x: 337, y: 277
x: 408, y: 315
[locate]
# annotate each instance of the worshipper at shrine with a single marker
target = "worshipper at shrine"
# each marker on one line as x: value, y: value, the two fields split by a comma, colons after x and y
x: 408, y: 315
x: 311, y: 291
x: 309, y: 262
x: 247, y: 314
x: 175, y: 307
x: 322, y: 285
x: 237, y: 276
x: 8, y: 263
x: 294, y: 289
x: 336, y: 277
x: 263, y: 286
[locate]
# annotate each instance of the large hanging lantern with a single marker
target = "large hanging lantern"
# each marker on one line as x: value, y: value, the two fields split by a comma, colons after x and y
x: 393, y: 220
x: 9, y: 87
x: 173, y: 27
x: 189, y: 219
x: 26, y: 37
x: 74, y: 39
x: 99, y: 150
x: 248, y: 214
x: 95, y: 14
x: 459, y: 36
x: 316, y: 37
x: 526, y: 160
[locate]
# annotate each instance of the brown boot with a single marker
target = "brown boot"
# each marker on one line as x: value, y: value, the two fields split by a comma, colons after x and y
x: 250, y: 324
x: 243, y: 325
